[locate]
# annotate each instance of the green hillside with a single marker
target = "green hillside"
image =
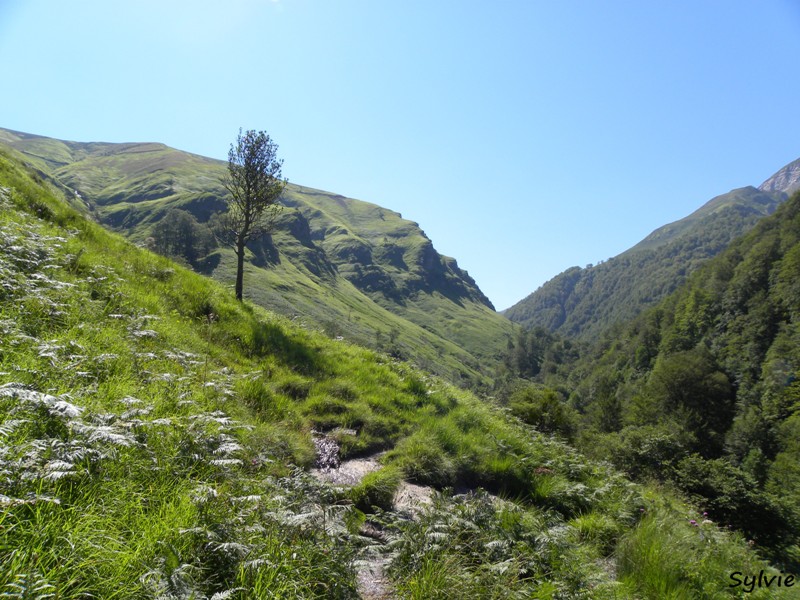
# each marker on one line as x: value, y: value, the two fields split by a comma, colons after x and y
x: 155, y: 437
x: 582, y: 303
x: 348, y: 267
x: 702, y: 390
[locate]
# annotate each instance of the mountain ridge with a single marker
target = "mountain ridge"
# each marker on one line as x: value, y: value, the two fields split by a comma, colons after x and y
x: 786, y: 180
x: 584, y: 302
x: 352, y: 267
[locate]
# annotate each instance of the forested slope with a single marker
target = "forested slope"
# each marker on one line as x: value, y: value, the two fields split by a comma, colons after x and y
x: 581, y: 303
x: 703, y: 390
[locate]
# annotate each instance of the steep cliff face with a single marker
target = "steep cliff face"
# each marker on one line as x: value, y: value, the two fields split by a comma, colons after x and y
x: 351, y: 267
x: 379, y: 251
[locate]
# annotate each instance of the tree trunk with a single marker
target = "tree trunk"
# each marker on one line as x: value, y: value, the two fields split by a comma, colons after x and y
x: 239, y: 268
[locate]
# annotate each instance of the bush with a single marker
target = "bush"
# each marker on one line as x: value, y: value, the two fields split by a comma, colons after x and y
x: 731, y: 496
x: 646, y: 451
x: 544, y: 409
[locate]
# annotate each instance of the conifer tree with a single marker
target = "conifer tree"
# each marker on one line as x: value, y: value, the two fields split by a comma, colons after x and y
x: 254, y: 184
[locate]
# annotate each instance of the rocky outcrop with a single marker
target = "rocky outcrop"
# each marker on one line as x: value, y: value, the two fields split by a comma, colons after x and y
x: 787, y: 180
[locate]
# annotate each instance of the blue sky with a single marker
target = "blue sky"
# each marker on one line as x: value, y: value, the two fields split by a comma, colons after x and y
x: 524, y: 136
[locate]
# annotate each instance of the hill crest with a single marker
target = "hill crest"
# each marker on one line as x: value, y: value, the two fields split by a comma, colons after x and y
x: 353, y: 268
x: 584, y: 302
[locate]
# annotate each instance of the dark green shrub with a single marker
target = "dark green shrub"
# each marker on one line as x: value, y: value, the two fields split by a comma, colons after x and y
x: 646, y: 451
x: 731, y: 496
x: 544, y: 409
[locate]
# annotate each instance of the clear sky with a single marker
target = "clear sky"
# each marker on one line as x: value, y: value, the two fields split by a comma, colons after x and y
x: 524, y: 136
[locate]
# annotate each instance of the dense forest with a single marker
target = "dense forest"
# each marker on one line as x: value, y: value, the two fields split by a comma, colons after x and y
x: 700, y: 391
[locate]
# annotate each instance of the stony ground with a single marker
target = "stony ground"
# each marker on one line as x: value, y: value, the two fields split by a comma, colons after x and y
x: 373, y: 583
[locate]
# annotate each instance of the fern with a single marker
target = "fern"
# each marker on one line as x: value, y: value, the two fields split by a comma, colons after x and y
x: 29, y: 586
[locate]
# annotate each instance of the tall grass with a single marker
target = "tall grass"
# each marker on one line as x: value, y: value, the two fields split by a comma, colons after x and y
x: 674, y: 552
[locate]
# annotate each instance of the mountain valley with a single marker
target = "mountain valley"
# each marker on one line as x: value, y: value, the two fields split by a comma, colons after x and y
x: 348, y: 267
x: 160, y: 439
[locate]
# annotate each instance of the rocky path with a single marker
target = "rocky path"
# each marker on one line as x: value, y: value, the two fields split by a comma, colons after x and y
x: 373, y: 583
x: 411, y: 498
x: 349, y: 472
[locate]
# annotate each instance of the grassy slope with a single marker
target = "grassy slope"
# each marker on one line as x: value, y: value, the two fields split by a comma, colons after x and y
x: 149, y: 424
x: 426, y: 289
x: 349, y: 267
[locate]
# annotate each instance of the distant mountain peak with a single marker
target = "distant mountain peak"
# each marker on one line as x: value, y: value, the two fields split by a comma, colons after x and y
x: 787, y: 180
x: 584, y: 303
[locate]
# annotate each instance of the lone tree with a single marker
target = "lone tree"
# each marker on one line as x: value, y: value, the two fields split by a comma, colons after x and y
x: 254, y: 184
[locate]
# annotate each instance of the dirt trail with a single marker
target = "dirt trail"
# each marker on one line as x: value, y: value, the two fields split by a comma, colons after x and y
x: 373, y: 584
x: 411, y: 498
